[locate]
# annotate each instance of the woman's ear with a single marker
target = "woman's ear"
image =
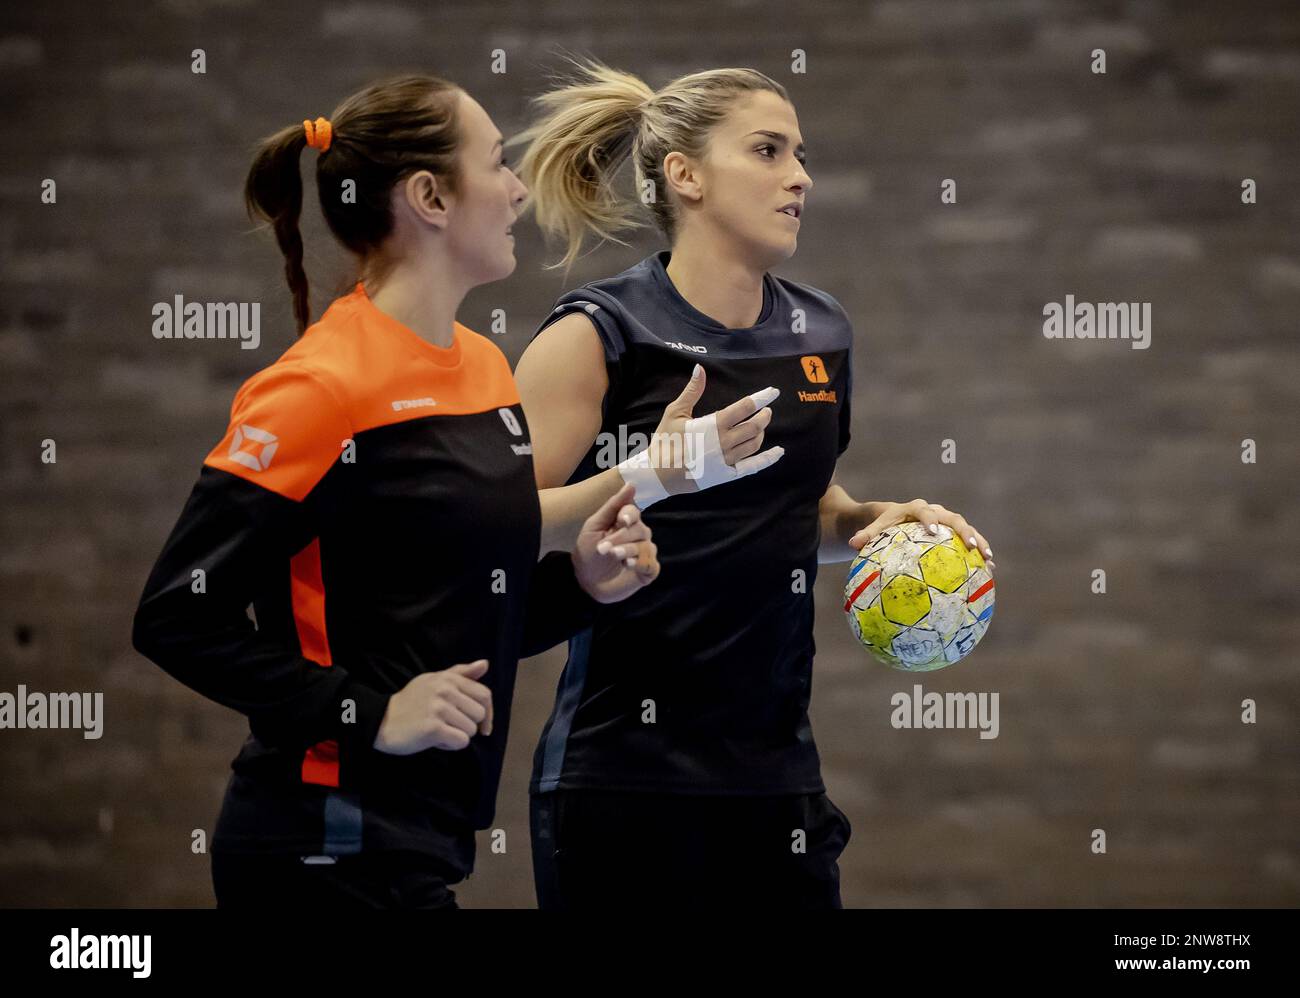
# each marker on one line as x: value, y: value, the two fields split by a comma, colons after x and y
x: 426, y: 198
x: 681, y: 175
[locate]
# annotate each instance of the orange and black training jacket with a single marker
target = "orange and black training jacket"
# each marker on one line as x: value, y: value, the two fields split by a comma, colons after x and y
x: 370, y: 514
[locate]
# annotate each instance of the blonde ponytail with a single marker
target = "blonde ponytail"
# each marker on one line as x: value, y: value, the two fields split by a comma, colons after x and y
x: 586, y: 131
x: 591, y: 125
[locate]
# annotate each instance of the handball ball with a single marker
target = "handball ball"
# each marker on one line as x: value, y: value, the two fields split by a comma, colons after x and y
x: 918, y: 601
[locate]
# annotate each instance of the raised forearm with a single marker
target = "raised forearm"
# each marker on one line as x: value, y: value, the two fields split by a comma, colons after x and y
x: 566, y: 508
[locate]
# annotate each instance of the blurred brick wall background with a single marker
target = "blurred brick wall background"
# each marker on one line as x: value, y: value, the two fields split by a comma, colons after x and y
x: 1118, y: 711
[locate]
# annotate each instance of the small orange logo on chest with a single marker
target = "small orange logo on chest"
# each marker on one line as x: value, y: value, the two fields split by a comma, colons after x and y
x: 814, y: 369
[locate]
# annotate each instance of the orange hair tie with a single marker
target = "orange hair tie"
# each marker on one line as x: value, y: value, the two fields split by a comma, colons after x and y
x: 318, y: 134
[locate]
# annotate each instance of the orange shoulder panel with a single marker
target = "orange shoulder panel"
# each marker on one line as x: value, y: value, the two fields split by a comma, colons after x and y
x: 286, y: 430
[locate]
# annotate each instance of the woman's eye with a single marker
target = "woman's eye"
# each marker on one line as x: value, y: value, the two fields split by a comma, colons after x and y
x: 765, y: 149
x: 503, y: 162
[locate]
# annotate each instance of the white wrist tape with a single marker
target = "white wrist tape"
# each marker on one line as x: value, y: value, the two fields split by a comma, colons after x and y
x: 702, y: 453
x: 705, y: 464
x: 636, y: 471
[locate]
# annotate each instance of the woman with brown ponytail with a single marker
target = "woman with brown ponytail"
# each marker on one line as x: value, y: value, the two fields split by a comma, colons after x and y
x: 356, y: 569
x: 678, y: 766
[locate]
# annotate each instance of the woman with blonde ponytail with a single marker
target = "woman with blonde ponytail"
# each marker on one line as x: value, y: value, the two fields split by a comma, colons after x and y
x: 356, y: 569
x: 678, y: 764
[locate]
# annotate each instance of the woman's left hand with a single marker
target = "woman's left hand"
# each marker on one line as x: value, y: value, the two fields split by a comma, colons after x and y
x: 614, y: 555
x: 929, y: 513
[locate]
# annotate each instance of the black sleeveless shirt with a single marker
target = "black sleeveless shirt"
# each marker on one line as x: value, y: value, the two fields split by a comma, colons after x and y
x: 700, y: 682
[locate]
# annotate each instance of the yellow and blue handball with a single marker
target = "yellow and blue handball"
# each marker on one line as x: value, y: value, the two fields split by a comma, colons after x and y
x: 918, y: 601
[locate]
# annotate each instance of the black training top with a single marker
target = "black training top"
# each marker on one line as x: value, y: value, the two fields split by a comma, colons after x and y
x: 700, y: 682
x: 373, y: 498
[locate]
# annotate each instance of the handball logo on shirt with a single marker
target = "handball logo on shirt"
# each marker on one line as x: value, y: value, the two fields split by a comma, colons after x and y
x: 269, y: 442
x: 814, y: 369
x: 686, y: 346
x: 512, y: 424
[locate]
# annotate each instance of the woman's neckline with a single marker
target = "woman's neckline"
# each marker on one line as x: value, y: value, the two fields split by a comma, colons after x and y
x: 448, y: 357
x: 659, y: 268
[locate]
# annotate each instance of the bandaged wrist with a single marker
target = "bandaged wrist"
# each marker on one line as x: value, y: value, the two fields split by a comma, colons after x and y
x: 636, y: 471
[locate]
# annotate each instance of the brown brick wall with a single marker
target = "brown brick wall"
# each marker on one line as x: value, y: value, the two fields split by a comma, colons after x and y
x: 1118, y: 711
